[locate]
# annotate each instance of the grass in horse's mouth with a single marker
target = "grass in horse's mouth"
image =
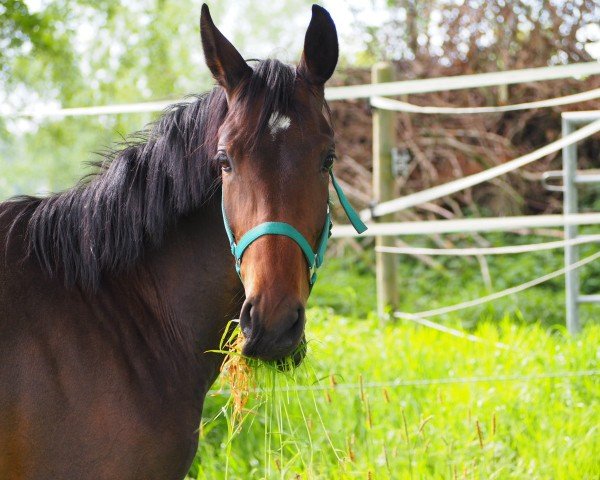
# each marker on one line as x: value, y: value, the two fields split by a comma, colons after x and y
x: 260, y: 392
x: 239, y: 372
x: 237, y: 375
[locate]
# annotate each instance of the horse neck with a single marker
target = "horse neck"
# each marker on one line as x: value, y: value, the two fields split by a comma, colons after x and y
x: 190, y: 285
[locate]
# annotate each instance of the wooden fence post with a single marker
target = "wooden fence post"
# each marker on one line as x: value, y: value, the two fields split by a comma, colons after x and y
x: 384, y: 139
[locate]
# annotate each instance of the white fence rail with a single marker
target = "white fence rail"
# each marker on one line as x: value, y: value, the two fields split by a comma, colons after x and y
x: 449, y: 188
x: 490, y: 224
x: 442, y: 84
x: 399, y: 106
x: 505, y: 250
x: 576, y: 70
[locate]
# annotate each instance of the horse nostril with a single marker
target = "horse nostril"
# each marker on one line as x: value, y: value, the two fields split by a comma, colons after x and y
x: 246, y: 323
x: 294, y: 318
x: 298, y: 322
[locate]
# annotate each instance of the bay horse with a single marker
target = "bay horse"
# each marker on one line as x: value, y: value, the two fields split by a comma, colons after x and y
x: 113, y: 293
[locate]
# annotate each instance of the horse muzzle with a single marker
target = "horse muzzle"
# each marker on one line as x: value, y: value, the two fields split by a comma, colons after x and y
x: 274, y: 331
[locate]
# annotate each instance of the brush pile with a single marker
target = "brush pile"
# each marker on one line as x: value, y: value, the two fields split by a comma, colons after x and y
x: 477, y: 37
x: 443, y: 147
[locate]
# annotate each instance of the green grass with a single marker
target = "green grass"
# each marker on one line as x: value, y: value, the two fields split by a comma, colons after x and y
x: 497, y: 428
x: 544, y: 428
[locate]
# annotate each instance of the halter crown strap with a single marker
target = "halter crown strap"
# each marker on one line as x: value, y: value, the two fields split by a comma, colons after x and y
x: 355, y: 220
x: 313, y: 259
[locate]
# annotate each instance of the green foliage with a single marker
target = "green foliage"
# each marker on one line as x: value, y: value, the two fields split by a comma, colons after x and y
x: 479, y: 35
x: 78, y: 53
x: 35, y: 50
x: 347, y: 283
x: 74, y: 53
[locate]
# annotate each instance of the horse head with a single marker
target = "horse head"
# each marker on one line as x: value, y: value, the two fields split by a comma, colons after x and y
x: 276, y: 150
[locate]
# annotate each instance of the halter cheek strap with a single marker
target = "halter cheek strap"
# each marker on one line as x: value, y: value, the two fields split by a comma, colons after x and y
x: 314, y: 259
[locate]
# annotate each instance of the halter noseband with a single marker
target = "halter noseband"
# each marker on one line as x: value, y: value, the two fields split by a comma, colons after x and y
x: 313, y: 259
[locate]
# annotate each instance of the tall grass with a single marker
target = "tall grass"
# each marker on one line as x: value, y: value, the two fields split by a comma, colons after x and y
x: 458, y: 409
x: 521, y: 428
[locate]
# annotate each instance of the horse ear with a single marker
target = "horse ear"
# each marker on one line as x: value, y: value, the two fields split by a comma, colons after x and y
x: 321, y: 50
x: 224, y: 61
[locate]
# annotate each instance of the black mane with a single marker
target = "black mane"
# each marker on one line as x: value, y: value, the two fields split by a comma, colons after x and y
x: 104, y: 223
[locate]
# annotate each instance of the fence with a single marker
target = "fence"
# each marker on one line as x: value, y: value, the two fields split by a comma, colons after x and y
x: 570, y: 220
x: 571, y: 178
x: 576, y: 70
x: 383, y: 135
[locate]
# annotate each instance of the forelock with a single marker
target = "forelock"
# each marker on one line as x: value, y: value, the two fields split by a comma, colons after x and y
x: 272, y: 83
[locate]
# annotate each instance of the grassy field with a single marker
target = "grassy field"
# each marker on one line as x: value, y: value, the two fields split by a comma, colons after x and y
x: 401, y: 401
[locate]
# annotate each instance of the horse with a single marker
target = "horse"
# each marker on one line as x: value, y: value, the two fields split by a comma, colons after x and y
x: 114, y: 293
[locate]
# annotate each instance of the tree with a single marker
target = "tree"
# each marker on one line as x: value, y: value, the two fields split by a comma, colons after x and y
x: 85, y: 52
x: 482, y: 35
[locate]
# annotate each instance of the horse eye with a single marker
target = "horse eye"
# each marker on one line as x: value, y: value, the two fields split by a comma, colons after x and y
x: 224, y: 162
x: 328, y: 163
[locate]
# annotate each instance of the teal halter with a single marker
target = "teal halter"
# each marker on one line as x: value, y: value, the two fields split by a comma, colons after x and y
x: 314, y: 259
